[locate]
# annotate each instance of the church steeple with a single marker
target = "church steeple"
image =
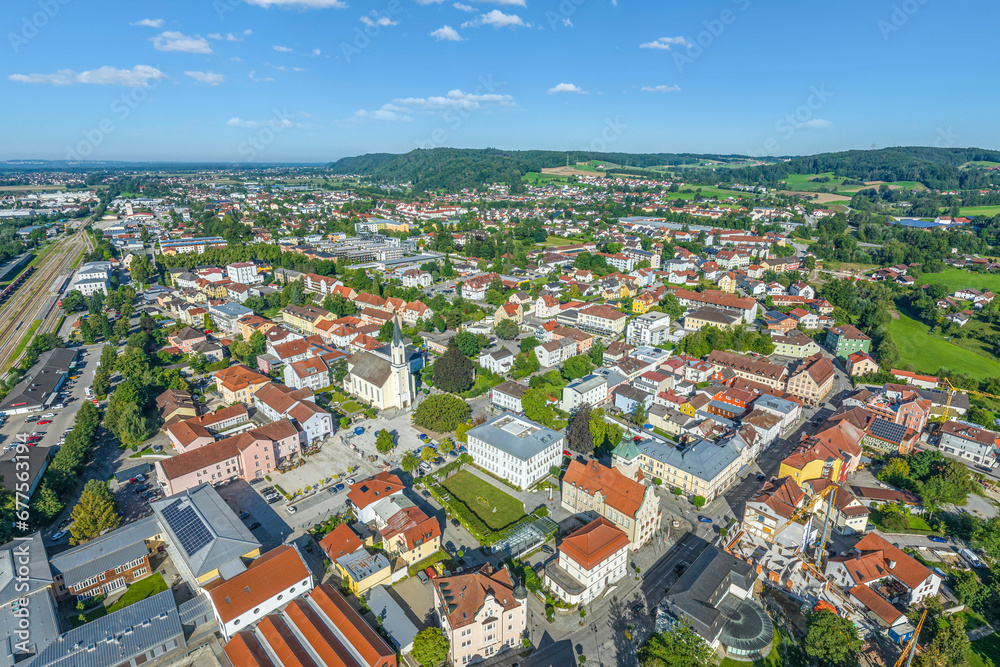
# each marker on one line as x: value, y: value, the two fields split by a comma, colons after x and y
x: 397, y: 350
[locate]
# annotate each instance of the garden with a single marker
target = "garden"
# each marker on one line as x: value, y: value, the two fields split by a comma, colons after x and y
x: 494, y: 508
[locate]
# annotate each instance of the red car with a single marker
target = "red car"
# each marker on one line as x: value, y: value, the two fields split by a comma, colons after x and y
x: 566, y: 452
x: 44, y: 422
x: 431, y: 573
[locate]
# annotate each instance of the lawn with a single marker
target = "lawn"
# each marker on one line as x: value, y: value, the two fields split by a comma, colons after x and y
x: 140, y: 590
x: 559, y: 240
x: 804, y: 183
x: 929, y: 353
x: 985, y: 652
x: 350, y: 407
x: 494, y: 508
x: 979, y: 210
x: 955, y: 279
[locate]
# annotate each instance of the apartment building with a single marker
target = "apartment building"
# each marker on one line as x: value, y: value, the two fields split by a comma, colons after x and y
x: 507, y: 396
x: 238, y: 384
x: 305, y: 318
x: 244, y: 273
x: 648, y: 329
x: 592, y: 390
x: 969, y: 442
x: 588, y: 560
x: 847, y: 339
x: 277, y: 401
x: 751, y: 368
x: 811, y: 380
x: 602, y: 320
x: 699, y: 468
x: 515, y: 448
x: 597, y: 490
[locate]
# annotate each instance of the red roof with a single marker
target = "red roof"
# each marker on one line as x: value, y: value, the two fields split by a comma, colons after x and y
x: 266, y: 577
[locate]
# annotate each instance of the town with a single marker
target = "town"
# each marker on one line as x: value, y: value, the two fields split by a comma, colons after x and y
x: 249, y: 416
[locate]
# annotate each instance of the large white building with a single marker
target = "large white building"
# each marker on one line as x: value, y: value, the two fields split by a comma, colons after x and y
x: 592, y: 390
x: 590, y: 559
x: 648, y: 329
x: 515, y: 449
x: 244, y: 273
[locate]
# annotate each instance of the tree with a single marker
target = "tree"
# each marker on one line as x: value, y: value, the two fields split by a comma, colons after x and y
x: 698, y: 501
x: 87, y: 333
x: 410, y: 462
x: 141, y: 269
x: 241, y: 350
x: 579, y: 435
x: 507, y: 329
x: 427, y: 454
x: 967, y: 587
x: 453, y: 372
x: 638, y: 416
x: 525, y: 364
x: 74, y: 301
x: 831, y: 639
x: 536, y: 406
x: 678, y: 647
x: 441, y: 413
x: 950, y: 646
x: 576, y: 367
x: 385, y: 331
x: 102, y: 381
x: 529, y: 343
x: 339, y: 371
x: 384, y: 443
x: 597, y: 353
x: 94, y: 513
x: 468, y: 343
x: 446, y: 446
x: 132, y: 427
x: 430, y: 647
x: 132, y: 364
x: 460, y: 432
x: 122, y: 326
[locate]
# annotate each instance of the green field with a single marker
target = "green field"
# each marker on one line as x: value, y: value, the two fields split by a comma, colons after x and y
x: 803, y: 183
x: 956, y: 279
x: 559, y: 240
x: 908, y: 185
x: 493, y: 507
x: 981, y: 163
x: 979, y: 210
x: 537, y: 178
x: 929, y: 353
x: 985, y: 652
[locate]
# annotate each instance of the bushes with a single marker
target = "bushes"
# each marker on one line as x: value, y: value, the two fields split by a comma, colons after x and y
x: 677, y: 491
x: 698, y: 501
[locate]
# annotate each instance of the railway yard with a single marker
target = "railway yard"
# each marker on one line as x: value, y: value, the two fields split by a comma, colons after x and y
x: 34, y: 301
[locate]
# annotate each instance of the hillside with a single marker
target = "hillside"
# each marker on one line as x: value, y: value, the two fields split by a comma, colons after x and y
x: 456, y: 168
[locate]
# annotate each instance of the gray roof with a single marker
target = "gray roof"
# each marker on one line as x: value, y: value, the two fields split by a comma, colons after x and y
x: 370, y: 368
x: 392, y: 616
x: 775, y: 403
x: 196, y: 511
x: 511, y: 389
x: 11, y: 466
x: 583, y: 385
x: 41, y: 380
x: 703, y: 459
x: 516, y: 436
x: 118, y: 637
x: 39, y: 574
x: 128, y: 473
x: 40, y: 608
x: 700, y: 589
x: 105, y: 552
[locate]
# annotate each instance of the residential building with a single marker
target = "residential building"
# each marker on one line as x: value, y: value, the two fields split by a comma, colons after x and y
x: 592, y: 390
x: 108, y: 563
x: 709, y: 316
x: 648, y: 329
x: 597, y: 490
x: 507, y: 396
x: 500, y: 361
x: 277, y: 401
x: 312, y: 373
x: 238, y: 384
x: 364, y: 495
x: 305, y: 318
x: 244, y: 273
x: 847, y: 339
x: 811, y: 380
x: 362, y: 570
x: 515, y: 448
x: 588, y: 560
x: 411, y: 535
x: 969, y: 442
x: 700, y: 468
x: 751, y: 368
x: 602, y: 320
x: 861, y: 363
x: 482, y: 613
x: 831, y: 453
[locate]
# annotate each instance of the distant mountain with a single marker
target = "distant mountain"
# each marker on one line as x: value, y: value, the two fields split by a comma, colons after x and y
x: 456, y: 168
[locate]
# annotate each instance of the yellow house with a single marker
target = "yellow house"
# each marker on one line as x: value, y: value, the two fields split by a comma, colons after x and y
x: 727, y: 283
x: 686, y: 408
x: 802, y: 470
x: 362, y: 570
x: 642, y: 303
x: 627, y: 290
x: 509, y: 311
x: 305, y: 318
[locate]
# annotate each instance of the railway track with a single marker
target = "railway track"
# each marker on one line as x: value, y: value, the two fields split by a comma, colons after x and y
x: 21, y: 309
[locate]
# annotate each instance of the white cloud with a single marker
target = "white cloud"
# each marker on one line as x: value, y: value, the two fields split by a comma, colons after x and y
x: 446, y: 34
x: 388, y: 112
x: 172, y: 40
x: 256, y: 79
x: 463, y: 8
x: 401, y: 109
x: 299, y: 4
x: 229, y: 37
x: 567, y: 88
x: 282, y: 49
x: 497, y: 19
x: 316, y: 52
x: 664, y: 43
x: 274, y: 123
x: 149, y: 23
x: 381, y: 21
x: 661, y: 89
x: 466, y: 8
x: 816, y: 124
x: 298, y: 69
x: 140, y: 75
x: 210, y: 78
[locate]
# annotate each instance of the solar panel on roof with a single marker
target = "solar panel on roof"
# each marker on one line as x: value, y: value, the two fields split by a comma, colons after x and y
x: 192, y: 533
x: 887, y: 430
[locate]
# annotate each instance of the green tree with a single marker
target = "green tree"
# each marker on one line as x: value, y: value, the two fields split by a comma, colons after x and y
x: 441, y: 413
x: 132, y: 364
x: 384, y: 443
x: 529, y: 343
x: 525, y: 364
x: 950, y: 646
x: 133, y: 428
x: 638, y: 416
x: 87, y: 333
x: 430, y: 647
x: 579, y: 434
x: 427, y: 454
x: 596, y: 353
x: 141, y: 269
x: 410, y: 462
x: 453, y: 372
x: 507, y: 329
x: 576, y: 367
x: 446, y: 446
x: 678, y: 647
x: 535, y: 405
x: 831, y: 639
x: 74, y: 301
x: 109, y: 357
x: 122, y: 326
x: 102, y: 381
x: 94, y: 513
x: 468, y: 343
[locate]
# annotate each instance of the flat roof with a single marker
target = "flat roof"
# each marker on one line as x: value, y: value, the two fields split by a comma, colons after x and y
x: 517, y: 436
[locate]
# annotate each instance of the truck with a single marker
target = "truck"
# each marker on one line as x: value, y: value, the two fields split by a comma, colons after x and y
x: 969, y: 557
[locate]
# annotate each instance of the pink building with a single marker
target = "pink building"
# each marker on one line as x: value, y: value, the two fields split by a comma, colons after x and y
x: 186, y: 339
x: 249, y: 455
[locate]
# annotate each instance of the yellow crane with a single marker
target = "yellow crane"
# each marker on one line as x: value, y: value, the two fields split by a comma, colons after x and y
x: 951, y: 392
x: 805, y: 509
x: 906, y: 657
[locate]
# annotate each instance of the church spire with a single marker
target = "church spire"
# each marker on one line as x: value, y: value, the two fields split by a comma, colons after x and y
x: 397, y: 336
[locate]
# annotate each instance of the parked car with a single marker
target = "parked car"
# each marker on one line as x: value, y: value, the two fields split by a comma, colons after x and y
x: 244, y: 514
x: 332, y: 490
x: 426, y: 493
x: 254, y: 526
x: 431, y: 573
x: 43, y: 422
x: 291, y: 509
x: 422, y: 577
x: 49, y: 415
x: 58, y: 536
x: 546, y: 549
x: 456, y: 523
x: 350, y: 481
x: 761, y: 478
x: 939, y: 540
x: 339, y: 487
x: 705, y: 519
x: 638, y: 608
x: 450, y: 546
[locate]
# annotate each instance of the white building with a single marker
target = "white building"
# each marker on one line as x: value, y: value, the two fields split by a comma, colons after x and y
x: 969, y: 442
x: 500, y: 361
x: 592, y: 389
x: 244, y: 273
x: 312, y: 373
x: 590, y: 559
x: 507, y: 396
x: 516, y: 449
x: 648, y: 329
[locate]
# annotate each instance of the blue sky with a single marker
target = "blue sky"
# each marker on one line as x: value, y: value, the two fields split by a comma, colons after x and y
x: 315, y: 80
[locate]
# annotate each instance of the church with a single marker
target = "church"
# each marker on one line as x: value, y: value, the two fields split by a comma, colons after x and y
x: 385, y: 383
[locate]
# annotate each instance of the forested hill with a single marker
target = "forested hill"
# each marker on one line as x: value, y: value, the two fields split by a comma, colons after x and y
x: 456, y: 168
x: 937, y: 168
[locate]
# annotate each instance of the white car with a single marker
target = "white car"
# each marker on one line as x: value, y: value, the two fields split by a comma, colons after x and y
x: 49, y: 415
x: 58, y: 536
x: 291, y: 509
x: 350, y: 481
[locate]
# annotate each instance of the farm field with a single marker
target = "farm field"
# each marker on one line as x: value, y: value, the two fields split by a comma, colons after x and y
x: 979, y: 210
x: 929, y: 353
x: 535, y: 178
x: 559, y: 240
x: 803, y: 183
x: 493, y: 507
x: 955, y: 279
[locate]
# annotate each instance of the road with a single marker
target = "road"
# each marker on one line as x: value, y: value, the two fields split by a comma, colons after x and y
x: 36, y: 298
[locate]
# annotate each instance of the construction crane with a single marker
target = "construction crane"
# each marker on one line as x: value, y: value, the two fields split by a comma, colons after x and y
x: 951, y: 392
x: 805, y: 509
x: 906, y: 657
x: 821, y: 548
